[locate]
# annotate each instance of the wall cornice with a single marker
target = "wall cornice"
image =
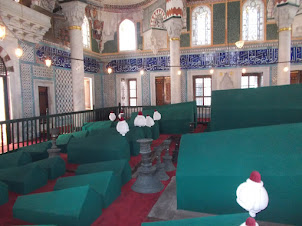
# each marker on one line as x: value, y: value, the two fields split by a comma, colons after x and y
x: 25, y: 23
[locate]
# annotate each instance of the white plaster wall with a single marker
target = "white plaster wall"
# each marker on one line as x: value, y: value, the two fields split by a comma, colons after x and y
x: 153, y: 75
x: 234, y: 73
x: 9, y: 44
x: 138, y: 78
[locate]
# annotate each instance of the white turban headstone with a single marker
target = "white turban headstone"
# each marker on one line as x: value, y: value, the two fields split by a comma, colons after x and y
x: 122, y: 127
x: 250, y: 222
x: 121, y: 114
x: 140, y: 120
x: 149, y: 121
x: 112, y: 116
x: 251, y: 195
x: 156, y: 115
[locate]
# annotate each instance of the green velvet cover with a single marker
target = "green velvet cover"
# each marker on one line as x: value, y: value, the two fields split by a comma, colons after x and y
x: 13, y: 159
x: 175, y: 118
x: 77, y: 206
x: 55, y: 167
x: 221, y: 220
x: 24, y: 179
x: 132, y: 136
x: 63, y: 140
x: 105, y: 183
x: 155, y: 130
x: 241, y: 108
x: 37, y: 151
x: 120, y: 168
x: 3, y: 193
x: 148, y: 132
x: 223, y: 160
x: 97, y: 125
x: 105, y: 145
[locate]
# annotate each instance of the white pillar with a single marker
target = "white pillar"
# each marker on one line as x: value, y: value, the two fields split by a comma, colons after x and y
x: 74, y: 12
x: 174, y: 26
x: 284, y: 16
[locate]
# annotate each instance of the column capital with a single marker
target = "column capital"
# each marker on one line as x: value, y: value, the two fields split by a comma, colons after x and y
x: 74, y: 12
x: 284, y: 15
x: 174, y: 27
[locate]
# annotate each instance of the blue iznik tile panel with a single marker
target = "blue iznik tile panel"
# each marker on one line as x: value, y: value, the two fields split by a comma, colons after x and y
x: 146, y: 89
x: 61, y: 58
x: 64, y: 101
x: 28, y: 52
x: 26, y: 82
x: 183, y: 88
x: 205, y: 60
x: 109, y: 90
x: 98, y: 91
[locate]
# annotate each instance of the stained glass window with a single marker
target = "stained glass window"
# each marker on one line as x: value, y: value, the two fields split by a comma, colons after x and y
x: 201, y: 26
x: 127, y: 40
x: 253, y: 20
x: 86, y: 33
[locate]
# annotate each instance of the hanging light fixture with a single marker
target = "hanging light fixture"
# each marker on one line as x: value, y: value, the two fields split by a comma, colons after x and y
x: 19, y: 52
x: 2, y: 32
x: 243, y: 70
x: 212, y: 71
x: 285, y: 69
x: 109, y: 70
x: 179, y: 72
x: 142, y: 72
x: 239, y: 44
x: 48, y: 62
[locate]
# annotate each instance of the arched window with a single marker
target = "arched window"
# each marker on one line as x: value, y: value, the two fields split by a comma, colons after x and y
x: 252, y: 20
x: 201, y: 26
x: 127, y: 39
x: 86, y: 33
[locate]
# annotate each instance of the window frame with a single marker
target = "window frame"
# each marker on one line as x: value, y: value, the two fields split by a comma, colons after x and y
x: 129, y: 97
x: 211, y: 25
x: 89, y: 34
x: 194, y: 88
x: 119, y: 36
x: 259, y: 79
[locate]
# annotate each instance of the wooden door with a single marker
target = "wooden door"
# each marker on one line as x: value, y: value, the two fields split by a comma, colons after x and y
x: 295, y: 77
x: 163, y: 90
x: 43, y: 99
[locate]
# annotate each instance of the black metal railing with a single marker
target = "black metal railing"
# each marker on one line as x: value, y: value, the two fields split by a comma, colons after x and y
x: 27, y: 131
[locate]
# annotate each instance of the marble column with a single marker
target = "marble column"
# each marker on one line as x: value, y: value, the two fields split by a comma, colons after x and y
x: 74, y: 12
x: 174, y: 26
x: 284, y: 15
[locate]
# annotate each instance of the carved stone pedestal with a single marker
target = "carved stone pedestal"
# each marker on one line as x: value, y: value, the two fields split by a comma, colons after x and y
x: 160, y: 167
x: 54, y: 150
x: 146, y: 181
x: 167, y: 158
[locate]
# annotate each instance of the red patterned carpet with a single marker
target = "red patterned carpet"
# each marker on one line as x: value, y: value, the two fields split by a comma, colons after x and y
x: 129, y: 209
